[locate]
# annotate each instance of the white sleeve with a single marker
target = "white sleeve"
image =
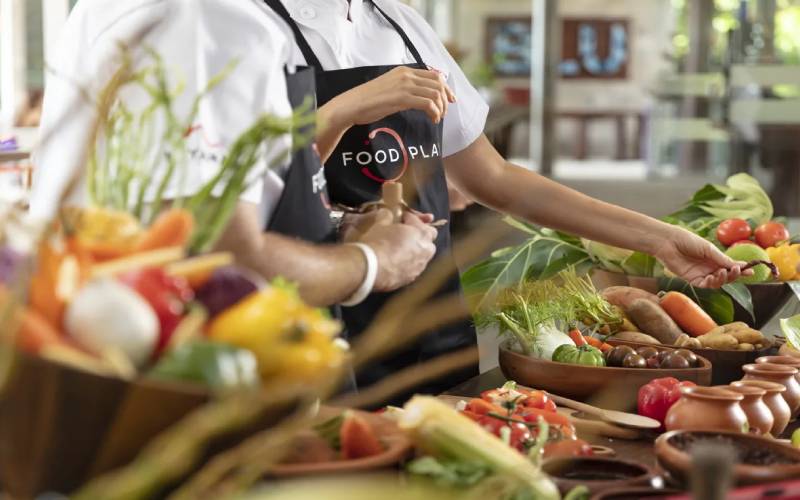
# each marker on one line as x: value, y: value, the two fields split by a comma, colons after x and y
x: 465, y: 120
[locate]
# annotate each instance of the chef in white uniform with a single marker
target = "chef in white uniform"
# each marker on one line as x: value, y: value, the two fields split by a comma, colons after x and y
x: 197, y: 39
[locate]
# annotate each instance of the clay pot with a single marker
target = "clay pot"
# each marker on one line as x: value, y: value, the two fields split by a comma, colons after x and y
x: 782, y: 360
x: 707, y: 408
x: 782, y: 374
x: 759, y: 416
x: 774, y: 401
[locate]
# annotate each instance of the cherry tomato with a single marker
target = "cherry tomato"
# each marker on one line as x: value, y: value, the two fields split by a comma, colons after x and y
x: 770, y: 234
x: 482, y: 407
x: 732, y: 230
x: 541, y: 400
x: 521, y: 436
x: 568, y: 448
x: 742, y: 242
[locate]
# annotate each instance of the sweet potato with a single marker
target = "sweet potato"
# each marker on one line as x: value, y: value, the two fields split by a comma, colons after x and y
x: 639, y: 337
x: 723, y: 341
x: 652, y: 320
x: 623, y: 296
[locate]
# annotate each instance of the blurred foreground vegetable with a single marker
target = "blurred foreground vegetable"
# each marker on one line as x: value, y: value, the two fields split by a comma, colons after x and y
x: 442, y: 432
x: 290, y: 340
x: 218, y: 366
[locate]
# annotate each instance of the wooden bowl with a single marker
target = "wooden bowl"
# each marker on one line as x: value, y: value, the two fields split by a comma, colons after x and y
x: 595, y: 473
x: 679, y: 463
x: 60, y: 427
x: 634, y: 493
x: 398, y: 447
x: 768, y: 298
x: 726, y: 365
x: 585, y: 382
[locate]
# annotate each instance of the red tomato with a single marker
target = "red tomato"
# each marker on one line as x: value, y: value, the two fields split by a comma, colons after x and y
x: 482, y: 407
x: 358, y: 438
x: 541, y: 400
x: 770, y: 234
x: 742, y: 242
x: 568, y: 448
x: 520, y: 436
x: 732, y: 230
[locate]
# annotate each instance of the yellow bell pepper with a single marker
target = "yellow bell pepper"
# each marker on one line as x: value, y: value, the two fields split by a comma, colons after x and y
x: 105, y: 234
x: 787, y: 259
x: 291, y: 341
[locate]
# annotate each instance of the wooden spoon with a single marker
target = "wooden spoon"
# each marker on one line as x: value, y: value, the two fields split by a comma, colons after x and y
x: 611, y: 416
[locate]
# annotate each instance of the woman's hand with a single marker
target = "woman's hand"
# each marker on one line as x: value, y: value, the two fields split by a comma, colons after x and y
x: 400, y: 89
x: 697, y: 261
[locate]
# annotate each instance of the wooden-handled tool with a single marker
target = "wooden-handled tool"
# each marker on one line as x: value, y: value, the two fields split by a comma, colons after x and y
x: 620, y: 418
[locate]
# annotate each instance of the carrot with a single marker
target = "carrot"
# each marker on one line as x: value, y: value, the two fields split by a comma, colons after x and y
x: 687, y: 314
x: 577, y: 337
x: 595, y: 342
x: 171, y: 228
x: 35, y: 332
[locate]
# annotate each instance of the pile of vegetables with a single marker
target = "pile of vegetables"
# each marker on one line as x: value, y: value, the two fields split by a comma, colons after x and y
x: 198, y: 319
x: 536, y: 315
x: 513, y: 413
x: 736, y: 216
x: 673, y: 318
x: 458, y: 452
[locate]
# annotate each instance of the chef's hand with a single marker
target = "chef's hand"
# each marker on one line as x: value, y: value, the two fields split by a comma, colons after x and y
x: 355, y: 225
x: 403, y: 250
x: 697, y: 261
x: 400, y: 89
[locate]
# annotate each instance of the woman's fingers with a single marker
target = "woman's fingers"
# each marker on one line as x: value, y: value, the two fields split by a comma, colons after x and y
x: 434, y: 96
x: 426, y: 105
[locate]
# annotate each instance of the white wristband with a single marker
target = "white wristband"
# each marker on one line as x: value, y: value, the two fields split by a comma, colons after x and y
x: 369, y: 279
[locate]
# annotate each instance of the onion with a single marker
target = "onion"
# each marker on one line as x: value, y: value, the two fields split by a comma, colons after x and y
x: 106, y: 314
x: 227, y: 286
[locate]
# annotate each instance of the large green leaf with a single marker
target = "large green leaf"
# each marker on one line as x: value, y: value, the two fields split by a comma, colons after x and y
x: 639, y: 264
x: 716, y: 303
x: 795, y: 286
x: 741, y: 294
x: 540, y: 257
x: 791, y: 330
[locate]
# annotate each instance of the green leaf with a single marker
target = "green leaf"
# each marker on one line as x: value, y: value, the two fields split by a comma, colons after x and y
x: 456, y: 473
x: 795, y: 286
x: 639, y: 264
x: 791, y: 330
x: 521, y: 225
x: 741, y: 294
x: 707, y: 193
x: 540, y: 257
x: 716, y: 303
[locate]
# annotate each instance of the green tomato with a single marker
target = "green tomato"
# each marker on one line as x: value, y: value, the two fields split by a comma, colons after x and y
x: 796, y: 438
x: 585, y: 355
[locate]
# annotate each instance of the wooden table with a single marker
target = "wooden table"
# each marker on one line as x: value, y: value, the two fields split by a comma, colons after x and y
x: 636, y: 451
x: 619, y: 117
x: 12, y: 156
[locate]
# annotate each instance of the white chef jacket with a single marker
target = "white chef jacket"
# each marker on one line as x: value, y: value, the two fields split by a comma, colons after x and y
x: 196, y: 39
x: 367, y: 39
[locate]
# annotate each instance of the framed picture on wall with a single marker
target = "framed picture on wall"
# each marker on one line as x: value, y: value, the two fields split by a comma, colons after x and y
x: 590, y: 47
x: 594, y: 48
x: 508, y: 45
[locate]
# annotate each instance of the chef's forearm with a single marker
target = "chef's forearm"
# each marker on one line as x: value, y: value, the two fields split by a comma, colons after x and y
x: 489, y: 179
x: 331, y: 127
x: 325, y: 274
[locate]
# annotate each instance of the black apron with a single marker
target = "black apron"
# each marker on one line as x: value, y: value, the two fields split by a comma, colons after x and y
x: 304, y: 209
x: 405, y: 147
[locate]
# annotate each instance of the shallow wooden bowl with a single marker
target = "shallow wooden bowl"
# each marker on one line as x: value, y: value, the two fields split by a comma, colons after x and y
x: 398, y: 447
x: 595, y: 473
x: 768, y: 298
x: 60, y: 427
x: 679, y: 463
x: 615, y: 387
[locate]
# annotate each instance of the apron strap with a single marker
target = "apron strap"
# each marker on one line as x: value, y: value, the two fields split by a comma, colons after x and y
x: 305, y: 48
x: 409, y: 44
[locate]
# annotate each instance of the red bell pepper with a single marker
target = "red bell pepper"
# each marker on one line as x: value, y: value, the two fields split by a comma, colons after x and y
x: 167, y: 295
x: 657, y: 396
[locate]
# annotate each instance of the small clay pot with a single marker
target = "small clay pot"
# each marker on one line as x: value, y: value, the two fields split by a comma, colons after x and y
x: 782, y: 374
x: 774, y: 401
x: 782, y: 360
x: 759, y: 416
x: 707, y: 408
